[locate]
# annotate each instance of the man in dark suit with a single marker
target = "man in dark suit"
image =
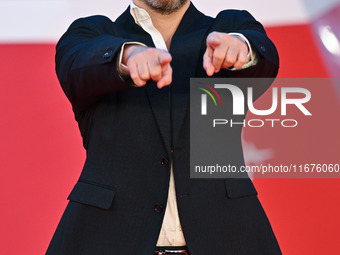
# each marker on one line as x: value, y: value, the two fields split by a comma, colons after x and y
x: 134, y: 195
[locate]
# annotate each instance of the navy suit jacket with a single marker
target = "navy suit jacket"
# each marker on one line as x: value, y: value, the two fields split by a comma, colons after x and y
x: 133, y: 135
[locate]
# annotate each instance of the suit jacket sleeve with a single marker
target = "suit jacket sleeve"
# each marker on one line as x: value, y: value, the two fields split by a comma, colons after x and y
x: 243, y: 22
x: 86, y: 61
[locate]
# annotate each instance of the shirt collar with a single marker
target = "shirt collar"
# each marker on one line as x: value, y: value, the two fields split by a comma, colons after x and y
x: 138, y: 13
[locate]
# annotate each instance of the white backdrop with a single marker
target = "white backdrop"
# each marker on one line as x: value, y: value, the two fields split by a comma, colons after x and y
x: 46, y: 20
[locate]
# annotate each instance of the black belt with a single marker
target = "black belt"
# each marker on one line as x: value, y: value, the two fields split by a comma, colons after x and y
x: 183, y: 250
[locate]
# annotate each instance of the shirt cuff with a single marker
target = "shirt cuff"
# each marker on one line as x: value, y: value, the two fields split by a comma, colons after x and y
x: 121, y: 68
x: 252, y: 56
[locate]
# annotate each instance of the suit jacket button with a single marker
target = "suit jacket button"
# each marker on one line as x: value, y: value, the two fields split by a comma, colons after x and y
x: 165, y: 162
x: 107, y: 54
x: 158, y: 208
x: 262, y: 48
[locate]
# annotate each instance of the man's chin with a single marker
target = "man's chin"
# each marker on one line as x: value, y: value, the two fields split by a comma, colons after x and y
x: 166, y: 6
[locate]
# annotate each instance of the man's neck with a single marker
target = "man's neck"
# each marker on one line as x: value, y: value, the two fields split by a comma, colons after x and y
x: 166, y: 24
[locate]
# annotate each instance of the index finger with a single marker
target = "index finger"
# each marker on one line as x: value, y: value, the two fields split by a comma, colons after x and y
x: 208, y: 62
x: 166, y: 76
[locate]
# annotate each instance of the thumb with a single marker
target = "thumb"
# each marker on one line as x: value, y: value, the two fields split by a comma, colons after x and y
x: 164, y: 58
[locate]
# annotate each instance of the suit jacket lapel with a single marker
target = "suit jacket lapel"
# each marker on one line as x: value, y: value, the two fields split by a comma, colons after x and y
x: 187, y: 48
x: 158, y: 99
x: 125, y: 27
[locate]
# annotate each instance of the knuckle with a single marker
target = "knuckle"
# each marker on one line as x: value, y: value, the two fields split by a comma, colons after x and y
x: 243, y: 58
x: 145, y: 76
x: 242, y: 61
x: 227, y: 65
x: 238, y: 66
x: 134, y: 76
x: 230, y: 60
x: 155, y: 76
x: 219, y: 57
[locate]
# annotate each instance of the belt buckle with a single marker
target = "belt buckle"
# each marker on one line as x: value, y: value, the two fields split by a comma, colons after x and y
x: 176, y: 251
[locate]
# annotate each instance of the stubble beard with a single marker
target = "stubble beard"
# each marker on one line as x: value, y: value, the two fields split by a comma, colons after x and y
x: 165, y: 6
